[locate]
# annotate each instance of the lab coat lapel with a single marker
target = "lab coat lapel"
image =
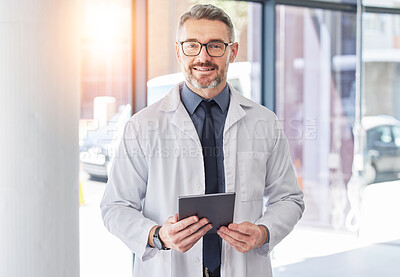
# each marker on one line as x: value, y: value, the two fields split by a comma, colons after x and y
x: 180, y: 118
x: 182, y: 121
x: 231, y: 136
x: 235, y: 112
x: 172, y: 103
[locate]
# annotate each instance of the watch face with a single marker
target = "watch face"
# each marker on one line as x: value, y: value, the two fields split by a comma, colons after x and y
x: 157, y: 243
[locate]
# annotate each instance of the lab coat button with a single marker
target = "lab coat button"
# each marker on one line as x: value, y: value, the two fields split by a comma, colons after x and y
x: 199, y: 188
x: 197, y: 260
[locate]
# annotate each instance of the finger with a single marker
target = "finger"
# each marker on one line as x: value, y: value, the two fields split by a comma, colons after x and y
x: 244, y: 228
x: 193, y: 232
x: 188, y: 242
x: 238, y: 245
x: 193, y: 238
x: 235, y: 234
x: 252, y: 236
x: 172, y: 219
x: 182, y: 224
x: 187, y: 247
x: 191, y: 229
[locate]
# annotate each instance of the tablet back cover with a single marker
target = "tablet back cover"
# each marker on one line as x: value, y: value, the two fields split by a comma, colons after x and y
x: 218, y: 208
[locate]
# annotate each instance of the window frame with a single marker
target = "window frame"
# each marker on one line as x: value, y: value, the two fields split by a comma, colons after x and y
x: 268, y: 43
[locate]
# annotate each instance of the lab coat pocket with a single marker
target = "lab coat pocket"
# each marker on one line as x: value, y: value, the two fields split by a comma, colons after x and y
x: 252, y: 168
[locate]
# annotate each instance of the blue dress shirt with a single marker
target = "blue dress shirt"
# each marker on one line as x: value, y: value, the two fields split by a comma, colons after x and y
x: 191, y: 101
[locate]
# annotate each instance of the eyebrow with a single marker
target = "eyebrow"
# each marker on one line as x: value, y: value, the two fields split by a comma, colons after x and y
x: 211, y: 40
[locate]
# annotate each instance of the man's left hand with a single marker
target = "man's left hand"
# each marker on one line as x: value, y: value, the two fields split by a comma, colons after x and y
x: 243, y: 236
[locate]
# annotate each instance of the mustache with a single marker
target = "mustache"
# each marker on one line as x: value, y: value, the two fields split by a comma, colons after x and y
x: 206, y: 64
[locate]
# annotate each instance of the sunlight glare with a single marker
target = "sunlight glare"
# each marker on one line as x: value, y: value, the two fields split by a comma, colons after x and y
x: 103, y: 26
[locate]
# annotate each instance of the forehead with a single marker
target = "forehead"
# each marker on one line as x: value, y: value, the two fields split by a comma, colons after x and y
x: 204, y: 30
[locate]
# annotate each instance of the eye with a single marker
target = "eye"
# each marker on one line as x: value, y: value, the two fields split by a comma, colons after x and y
x: 191, y: 45
x: 215, y: 46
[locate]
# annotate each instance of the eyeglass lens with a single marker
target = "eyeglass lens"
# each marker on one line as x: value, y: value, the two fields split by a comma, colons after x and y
x: 193, y: 48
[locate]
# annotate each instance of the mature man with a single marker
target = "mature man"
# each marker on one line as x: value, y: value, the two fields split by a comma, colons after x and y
x: 203, y: 137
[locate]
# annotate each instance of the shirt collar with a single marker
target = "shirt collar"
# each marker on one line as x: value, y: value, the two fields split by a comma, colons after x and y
x: 191, y: 100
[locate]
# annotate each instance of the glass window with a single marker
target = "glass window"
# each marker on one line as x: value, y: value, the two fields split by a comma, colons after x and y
x: 381, y: 91
x: 315, y: 99
x: 376, y: 3
x: 380, y: 3
x: 384, y: 134
x: 396, y: 135
x: 381, y: 61
x: 105, y: 52
x: 105, y: 55
x: 341, y: 1
x: 163, y: 69
x: 105, y: 81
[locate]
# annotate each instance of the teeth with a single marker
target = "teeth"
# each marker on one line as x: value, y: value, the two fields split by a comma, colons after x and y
x: 204, y: 69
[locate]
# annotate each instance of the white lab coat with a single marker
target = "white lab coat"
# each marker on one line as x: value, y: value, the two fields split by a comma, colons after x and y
x: 160, y: 158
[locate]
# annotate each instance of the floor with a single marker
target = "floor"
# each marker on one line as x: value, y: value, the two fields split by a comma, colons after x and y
x: 375, y: 251
x: 326, y: 254
x: 306, y: 252
x: 101, y: 253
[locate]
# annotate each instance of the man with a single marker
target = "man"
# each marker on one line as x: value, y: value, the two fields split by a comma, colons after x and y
x: 165, y: 153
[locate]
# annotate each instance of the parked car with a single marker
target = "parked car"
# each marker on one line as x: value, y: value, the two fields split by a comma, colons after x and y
x: 383, y: 146
x: 99, y: 146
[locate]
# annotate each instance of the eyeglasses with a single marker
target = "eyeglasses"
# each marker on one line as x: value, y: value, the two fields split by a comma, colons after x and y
x: 214, y: 49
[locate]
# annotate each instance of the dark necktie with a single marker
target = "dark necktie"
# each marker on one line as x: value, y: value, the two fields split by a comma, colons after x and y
x: 211, y: 245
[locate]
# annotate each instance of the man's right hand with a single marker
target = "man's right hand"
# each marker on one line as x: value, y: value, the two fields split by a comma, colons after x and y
x: 182, y: 235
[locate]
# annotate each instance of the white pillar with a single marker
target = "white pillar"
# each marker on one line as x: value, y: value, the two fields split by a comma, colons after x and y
x: 39, y: 113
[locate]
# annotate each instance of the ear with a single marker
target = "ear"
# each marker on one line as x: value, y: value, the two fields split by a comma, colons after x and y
x: 177, y: 50
x: 234, y: 52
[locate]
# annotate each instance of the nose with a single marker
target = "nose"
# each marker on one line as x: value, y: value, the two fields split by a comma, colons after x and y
x: 203, y: 55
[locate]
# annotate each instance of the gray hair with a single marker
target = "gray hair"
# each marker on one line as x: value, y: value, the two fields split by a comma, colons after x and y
x: 209, y: 12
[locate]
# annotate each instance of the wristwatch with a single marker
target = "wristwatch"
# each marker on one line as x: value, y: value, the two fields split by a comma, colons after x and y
x: 157, y: 240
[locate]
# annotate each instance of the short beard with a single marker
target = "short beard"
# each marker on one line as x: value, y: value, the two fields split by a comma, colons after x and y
x: 213, y: 84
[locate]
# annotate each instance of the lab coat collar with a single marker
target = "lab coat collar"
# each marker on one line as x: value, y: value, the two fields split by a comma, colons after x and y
x: 236, y: 109
x: 172, y: 103
x: 172, y: 100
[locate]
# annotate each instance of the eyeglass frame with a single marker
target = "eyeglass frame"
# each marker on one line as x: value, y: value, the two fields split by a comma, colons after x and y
x: 205, y: 45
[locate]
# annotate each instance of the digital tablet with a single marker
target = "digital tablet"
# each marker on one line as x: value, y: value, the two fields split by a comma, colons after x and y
x: 218, y: 208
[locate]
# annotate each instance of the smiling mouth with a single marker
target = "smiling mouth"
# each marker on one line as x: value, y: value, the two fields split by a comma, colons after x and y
x: 204, y: 69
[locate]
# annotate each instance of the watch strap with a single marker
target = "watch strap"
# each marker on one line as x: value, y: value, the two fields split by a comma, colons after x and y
x: 156, y: 236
